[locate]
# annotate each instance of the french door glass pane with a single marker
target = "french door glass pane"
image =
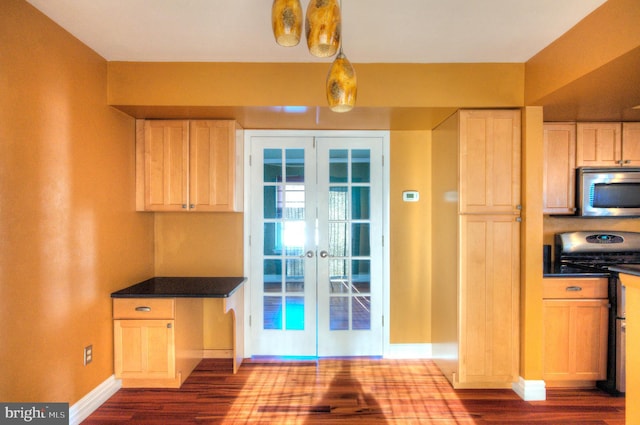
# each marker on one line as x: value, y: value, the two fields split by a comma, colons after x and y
x: 361, y: 166
x: 272, y: 275
x: 360, y: 243
x: 339, y: 314
x: 338, y: 166
x: 338, y: 239
x: 361, y: 276
x: 295, y: 165
x: 361, y: 313
x: 294, y: 201
x: 338, y: 207
x: 360, y: 203
x: 294, y: 237
x: 295, y: 313
x: 272, y: 165
x: 338, y: 276
x: 272, y: 309
x: 272, y: 238
x: 295, y: 275
x: 272, y: 202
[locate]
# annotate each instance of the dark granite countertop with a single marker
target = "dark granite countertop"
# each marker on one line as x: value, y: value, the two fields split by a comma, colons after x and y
x: 182, y: 287
x: 571, y: 272
x: 632, y: 269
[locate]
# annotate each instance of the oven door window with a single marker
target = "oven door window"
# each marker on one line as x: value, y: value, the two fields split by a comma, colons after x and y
x: 616, y: 195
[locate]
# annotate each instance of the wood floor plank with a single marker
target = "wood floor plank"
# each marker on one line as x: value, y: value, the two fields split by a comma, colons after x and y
x: 345, y: 391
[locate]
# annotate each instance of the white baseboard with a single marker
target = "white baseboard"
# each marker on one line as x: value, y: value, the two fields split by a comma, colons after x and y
x: 89, y: 403
x: 530, y: 390
x: 408, y: 351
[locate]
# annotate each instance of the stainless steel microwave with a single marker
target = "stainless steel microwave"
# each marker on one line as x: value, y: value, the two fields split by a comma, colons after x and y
x: 608, y: 192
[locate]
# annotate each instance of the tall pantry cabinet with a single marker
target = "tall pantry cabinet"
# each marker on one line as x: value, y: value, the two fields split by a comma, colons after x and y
x: 476, y: 228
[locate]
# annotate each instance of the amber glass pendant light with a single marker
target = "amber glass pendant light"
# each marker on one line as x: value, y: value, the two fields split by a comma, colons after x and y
x: 342, y: 85
x: 286, y: 19
x: 323, y: 25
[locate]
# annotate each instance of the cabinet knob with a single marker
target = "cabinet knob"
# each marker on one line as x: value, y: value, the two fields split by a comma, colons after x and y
x: 184, y: 206
x: 169, y: 325
x: 519, y: 219
x: 627, y: 161
x: 191, y: 206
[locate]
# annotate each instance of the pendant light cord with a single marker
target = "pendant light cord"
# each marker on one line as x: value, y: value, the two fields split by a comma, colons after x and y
x: 341, y: 21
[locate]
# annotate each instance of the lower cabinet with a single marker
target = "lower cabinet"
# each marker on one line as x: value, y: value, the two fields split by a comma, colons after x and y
x: 575, y: 318
x: 146, y: 349
x: 157, y: 342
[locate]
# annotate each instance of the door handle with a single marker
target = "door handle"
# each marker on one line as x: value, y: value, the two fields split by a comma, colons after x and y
x: 308, y: 254
x: 324, y: 254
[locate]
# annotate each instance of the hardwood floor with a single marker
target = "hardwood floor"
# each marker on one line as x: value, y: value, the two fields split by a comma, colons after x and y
x: 345, y: 391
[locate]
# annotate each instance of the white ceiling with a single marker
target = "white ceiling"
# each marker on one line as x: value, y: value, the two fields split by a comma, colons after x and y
x: 374, y: 31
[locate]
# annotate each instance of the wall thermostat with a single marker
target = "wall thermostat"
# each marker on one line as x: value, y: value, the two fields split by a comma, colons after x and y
x: 410, y: 196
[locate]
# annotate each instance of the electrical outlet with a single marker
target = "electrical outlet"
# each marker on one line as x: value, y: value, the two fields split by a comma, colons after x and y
x: 88, y: 354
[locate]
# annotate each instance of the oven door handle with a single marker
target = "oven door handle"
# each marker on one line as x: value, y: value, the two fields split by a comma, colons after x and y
x: 573, y: 288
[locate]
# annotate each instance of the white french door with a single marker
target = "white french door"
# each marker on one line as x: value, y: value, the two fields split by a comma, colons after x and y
x: 316, y: 247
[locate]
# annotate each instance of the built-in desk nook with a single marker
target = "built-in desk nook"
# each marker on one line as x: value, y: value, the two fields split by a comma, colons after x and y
x: 158, y: 327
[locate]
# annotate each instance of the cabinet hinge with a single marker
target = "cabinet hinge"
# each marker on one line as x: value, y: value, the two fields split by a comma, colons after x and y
x: 383, y: 321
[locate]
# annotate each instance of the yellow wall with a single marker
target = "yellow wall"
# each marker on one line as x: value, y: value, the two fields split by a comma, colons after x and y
x: 410, y: 300
x: 608, y: 33
x: 202, y: 244
x: 531, y: 245
x: 269, y: 84
x: 69, y: 235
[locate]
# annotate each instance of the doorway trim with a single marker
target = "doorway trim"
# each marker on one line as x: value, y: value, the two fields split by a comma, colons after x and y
x: 386, y: 279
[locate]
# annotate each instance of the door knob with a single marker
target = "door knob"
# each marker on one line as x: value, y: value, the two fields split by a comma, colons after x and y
x: 324, y: 254
x: 308, y: 254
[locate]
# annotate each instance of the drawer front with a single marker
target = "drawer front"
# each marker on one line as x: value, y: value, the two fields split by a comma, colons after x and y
x: 575, y: 288
x: 143, y: 308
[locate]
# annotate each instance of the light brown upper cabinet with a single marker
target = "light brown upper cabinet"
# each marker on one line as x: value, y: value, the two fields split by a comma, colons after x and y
x: 631, y: 144
x: 559, y: 168
x: 490, y: 161
x: 598, y: 144
x: 188, y: 165
x: 608, y: 144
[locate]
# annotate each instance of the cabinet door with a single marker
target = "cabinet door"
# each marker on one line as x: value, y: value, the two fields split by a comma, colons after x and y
x: 489, y: 300
x: 144, y: 349
x: 575, y: 339
x: 490, y: 161
x: 166, y: 172
x: 631, y: 144
x: 212, y: 160
x: 598, y: 144
x: 559, y: 171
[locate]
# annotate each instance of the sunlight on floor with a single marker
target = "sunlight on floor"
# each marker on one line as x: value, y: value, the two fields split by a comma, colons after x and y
x: 374, y: 392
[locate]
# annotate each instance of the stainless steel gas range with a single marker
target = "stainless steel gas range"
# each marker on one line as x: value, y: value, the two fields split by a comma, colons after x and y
x: 597, y: 251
